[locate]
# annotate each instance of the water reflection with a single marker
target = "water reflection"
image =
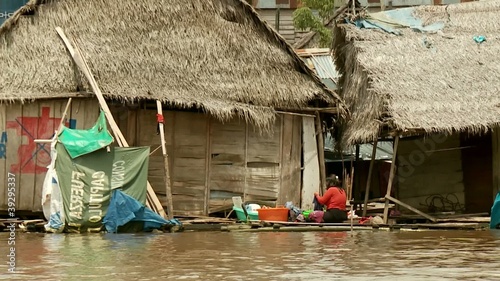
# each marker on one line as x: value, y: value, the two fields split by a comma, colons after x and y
x: 364, y: 255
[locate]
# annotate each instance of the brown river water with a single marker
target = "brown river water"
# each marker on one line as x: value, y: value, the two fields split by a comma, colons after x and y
x: 361, y: 255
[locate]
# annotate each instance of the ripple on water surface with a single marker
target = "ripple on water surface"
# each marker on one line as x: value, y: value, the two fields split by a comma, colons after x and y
x: 365, y: 255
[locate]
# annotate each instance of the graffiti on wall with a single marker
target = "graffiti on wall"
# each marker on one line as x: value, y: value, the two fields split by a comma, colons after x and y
x: 33, y: 158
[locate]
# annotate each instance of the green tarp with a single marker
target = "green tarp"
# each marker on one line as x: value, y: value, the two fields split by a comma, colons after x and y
x: 81, y: 142
x: 86, y: 182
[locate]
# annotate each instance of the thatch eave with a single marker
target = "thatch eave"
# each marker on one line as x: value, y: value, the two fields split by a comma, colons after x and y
x: 254, y: 71
x: 431, y: 82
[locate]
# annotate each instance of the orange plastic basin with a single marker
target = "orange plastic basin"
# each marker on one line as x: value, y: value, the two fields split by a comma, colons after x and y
x: 273, y: 214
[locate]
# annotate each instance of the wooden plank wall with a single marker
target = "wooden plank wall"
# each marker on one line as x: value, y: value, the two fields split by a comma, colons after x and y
x: 212, y: 161
x: 291, y: 172
x: 263, y: 159
x: 20, y: 125
x: 188, y: 169
x: 147, y: 136
x: 227, y: 163
x: 428, y: 167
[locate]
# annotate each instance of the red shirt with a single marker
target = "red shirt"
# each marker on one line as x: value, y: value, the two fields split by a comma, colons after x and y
x: 334, y: 198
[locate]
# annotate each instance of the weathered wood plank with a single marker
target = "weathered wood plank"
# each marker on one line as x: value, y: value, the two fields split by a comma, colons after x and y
x: 50, y: 113
x: 77, y: 112
x: 189, y: 162
x: 296, y: 161
x: 227, y: 163
x: 290, y: 172
x: 15, y: 134
x: 263, y: 147
x: 227, y: 178
x: 37, y: 123
x: 92, y: 110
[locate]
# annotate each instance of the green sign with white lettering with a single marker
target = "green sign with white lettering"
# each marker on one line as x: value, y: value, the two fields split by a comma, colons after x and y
x: 86, y: 182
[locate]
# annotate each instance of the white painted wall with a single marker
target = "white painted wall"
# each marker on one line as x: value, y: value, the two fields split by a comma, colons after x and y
x: 310, y: 174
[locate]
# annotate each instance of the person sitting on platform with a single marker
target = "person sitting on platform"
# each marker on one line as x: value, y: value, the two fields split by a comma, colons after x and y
x: 335, y: 200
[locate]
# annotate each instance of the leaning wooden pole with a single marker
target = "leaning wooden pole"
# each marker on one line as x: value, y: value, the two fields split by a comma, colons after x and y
x: 391, y: 178
x: 321, y: 153
x: 369, y: 180
x: 168, y: 185
x: 82, y: 65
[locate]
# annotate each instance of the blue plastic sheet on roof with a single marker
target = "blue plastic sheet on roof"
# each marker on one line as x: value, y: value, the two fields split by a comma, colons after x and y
x: 391, y: 21
x: 124, y: 209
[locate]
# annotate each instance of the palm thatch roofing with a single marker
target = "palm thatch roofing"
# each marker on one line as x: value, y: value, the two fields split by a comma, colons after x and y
x: 216, y: 55
x: 441, y: 81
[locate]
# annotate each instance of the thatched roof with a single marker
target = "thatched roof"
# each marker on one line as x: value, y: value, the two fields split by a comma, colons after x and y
x: 439, y: 81
x: 217, y: 55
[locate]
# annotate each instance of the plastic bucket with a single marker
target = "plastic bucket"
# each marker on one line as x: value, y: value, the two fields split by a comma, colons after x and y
x: 240, y: 214
x: 273, y: 214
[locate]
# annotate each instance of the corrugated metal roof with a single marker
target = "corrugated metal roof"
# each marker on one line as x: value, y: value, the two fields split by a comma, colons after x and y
x: 384, y: 150
x: 324, y: 67
x: 321, y: 62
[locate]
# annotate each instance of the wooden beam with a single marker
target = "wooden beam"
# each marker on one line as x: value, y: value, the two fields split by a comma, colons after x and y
x: 388, y: 197
x: 391, y: 178
x: 321, y: 154
x: 369, y: 180
x: 82, y: 65
x: 293, y: 113
x: 168, y: 183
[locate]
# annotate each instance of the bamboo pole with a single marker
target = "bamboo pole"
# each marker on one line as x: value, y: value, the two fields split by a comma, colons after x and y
x: 391, y: 178
x: 168, y: 183
x: 82, y: 65
x: 369, y: 180
x: 63, y: 117
x: 321, y: 153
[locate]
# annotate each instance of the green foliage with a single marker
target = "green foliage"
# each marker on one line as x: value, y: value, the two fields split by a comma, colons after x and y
x: 304, y: 18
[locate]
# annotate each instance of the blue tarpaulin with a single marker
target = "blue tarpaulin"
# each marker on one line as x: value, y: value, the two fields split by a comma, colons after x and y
x: 124, y: 209
x: 495, y: 213
x: 391, y: 21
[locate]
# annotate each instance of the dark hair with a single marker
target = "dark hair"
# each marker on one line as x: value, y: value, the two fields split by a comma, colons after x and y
x: 333, y: 180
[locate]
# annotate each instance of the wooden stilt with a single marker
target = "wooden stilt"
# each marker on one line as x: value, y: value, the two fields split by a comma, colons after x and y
x: 82, y: 65
x: 369, y: 180
x: 391, y: 178
x: 351, y: 180
x: 168, y: 185
x: 321, y: 153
